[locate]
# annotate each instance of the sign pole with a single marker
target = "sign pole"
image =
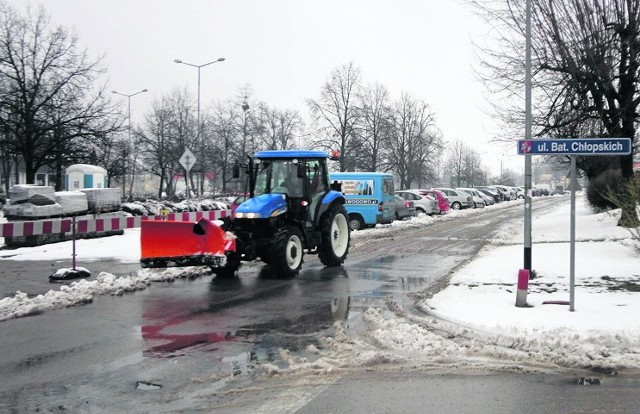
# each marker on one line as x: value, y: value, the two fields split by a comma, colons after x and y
x: 186, y: 182
x: 187, y: 160
x: 527, y: 159
x: 572, y: 245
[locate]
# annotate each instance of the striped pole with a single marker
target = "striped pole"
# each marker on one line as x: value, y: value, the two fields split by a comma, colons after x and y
x: 523, y: 286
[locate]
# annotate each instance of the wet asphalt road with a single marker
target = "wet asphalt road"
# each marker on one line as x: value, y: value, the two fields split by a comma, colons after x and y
x: 144, y: 351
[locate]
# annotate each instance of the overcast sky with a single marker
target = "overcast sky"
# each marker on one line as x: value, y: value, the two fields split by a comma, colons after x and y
x: 285, y: 50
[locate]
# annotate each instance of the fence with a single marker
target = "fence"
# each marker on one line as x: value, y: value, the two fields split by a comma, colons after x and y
x: 97, y: 224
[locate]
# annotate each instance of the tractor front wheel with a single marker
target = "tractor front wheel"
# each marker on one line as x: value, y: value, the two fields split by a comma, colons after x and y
x: 230, y: 268
x: 287, y: 251
x: 335, y: 236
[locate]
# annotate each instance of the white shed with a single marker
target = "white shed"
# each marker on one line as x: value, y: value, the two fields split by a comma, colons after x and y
x: 81, y: 176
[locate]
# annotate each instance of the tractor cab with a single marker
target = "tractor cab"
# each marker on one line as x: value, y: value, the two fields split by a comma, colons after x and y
x: 283, y: 182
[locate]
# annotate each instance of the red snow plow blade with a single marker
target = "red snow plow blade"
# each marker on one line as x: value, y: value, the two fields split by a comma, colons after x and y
x: 183, y: 243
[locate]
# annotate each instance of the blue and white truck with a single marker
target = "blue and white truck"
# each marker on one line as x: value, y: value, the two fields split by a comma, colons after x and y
x: 369, y: 197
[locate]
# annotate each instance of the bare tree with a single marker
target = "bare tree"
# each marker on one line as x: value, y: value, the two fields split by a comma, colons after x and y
x: 158, y: 151
x: 278, y: 128
x: 168, y: 130
x: 6, y: 161
x: 372, y: 126
x: 456, y: 162
x: 48, y: 107
x: 111, y: 153
x: 585, y: 63
x: 472, y: 167
x: 223, y: 125
x: 334, y: 112
x: 414, y: 140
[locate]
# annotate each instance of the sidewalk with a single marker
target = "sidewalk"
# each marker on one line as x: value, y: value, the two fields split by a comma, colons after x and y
x: 482, y: 294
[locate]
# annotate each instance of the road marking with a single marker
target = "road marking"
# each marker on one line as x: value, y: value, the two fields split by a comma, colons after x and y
x: 295, y: 397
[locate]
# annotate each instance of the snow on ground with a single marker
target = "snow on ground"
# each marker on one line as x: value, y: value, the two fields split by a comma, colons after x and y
x: 471, y: 323
x: 478, y: 310
x: 483, y: 293
x: 474, y: 323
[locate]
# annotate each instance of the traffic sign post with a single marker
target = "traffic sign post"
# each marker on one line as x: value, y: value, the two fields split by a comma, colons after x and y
x: 574, y: 147
x: 187, y: 160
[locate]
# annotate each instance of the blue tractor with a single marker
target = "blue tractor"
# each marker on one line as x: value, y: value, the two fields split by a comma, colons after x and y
x: 292, y: 209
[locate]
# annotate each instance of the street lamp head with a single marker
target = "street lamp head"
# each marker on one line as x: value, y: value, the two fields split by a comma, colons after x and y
x: 114, y: 92
x: 177, y: 60
x: 144, y: 90
x: 221, y: 59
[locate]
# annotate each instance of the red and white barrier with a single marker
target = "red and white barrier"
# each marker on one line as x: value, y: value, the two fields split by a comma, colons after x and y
x: 98, y: 224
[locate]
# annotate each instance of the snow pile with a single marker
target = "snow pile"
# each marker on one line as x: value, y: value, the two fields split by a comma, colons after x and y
x: 34, y: 202
x: 72, y: 202
x: 84, y: 291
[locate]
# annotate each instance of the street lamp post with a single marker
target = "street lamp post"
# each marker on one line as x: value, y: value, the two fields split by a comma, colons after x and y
x: 128, y: 96
x: 221, y: 59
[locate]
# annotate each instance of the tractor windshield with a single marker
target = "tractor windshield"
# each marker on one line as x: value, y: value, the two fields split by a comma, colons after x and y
x: 278, y: 176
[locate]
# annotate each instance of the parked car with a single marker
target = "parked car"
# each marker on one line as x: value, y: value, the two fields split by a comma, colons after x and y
x: 491, y: 192
x: 457, y: 199
x: 441, y: 199
x: 487, y: 200
x: 424, y: 203
x: 519, y: 192
x: 404, y: 208
x: 477, y: 201
x: 506, y: 193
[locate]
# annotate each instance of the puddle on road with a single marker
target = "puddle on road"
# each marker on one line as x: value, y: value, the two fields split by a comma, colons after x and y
x: 292, y: 315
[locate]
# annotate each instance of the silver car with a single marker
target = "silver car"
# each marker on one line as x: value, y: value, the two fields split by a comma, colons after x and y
x: 404, y: 208
x: 478, y: 198
x: 423, y: 203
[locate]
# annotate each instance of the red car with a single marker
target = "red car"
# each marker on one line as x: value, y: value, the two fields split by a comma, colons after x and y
x: 443, y: 201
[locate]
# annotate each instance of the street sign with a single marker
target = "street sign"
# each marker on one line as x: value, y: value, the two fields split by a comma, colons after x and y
x: 187, y: 160
x: 571, y: 146
x: 574, y: 147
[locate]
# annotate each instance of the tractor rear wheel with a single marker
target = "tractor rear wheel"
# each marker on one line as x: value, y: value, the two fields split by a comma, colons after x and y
x: 335, y: 236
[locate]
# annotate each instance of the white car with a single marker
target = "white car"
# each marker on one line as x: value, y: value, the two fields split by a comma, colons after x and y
x: 479, y: 200
x: 457, y: 199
